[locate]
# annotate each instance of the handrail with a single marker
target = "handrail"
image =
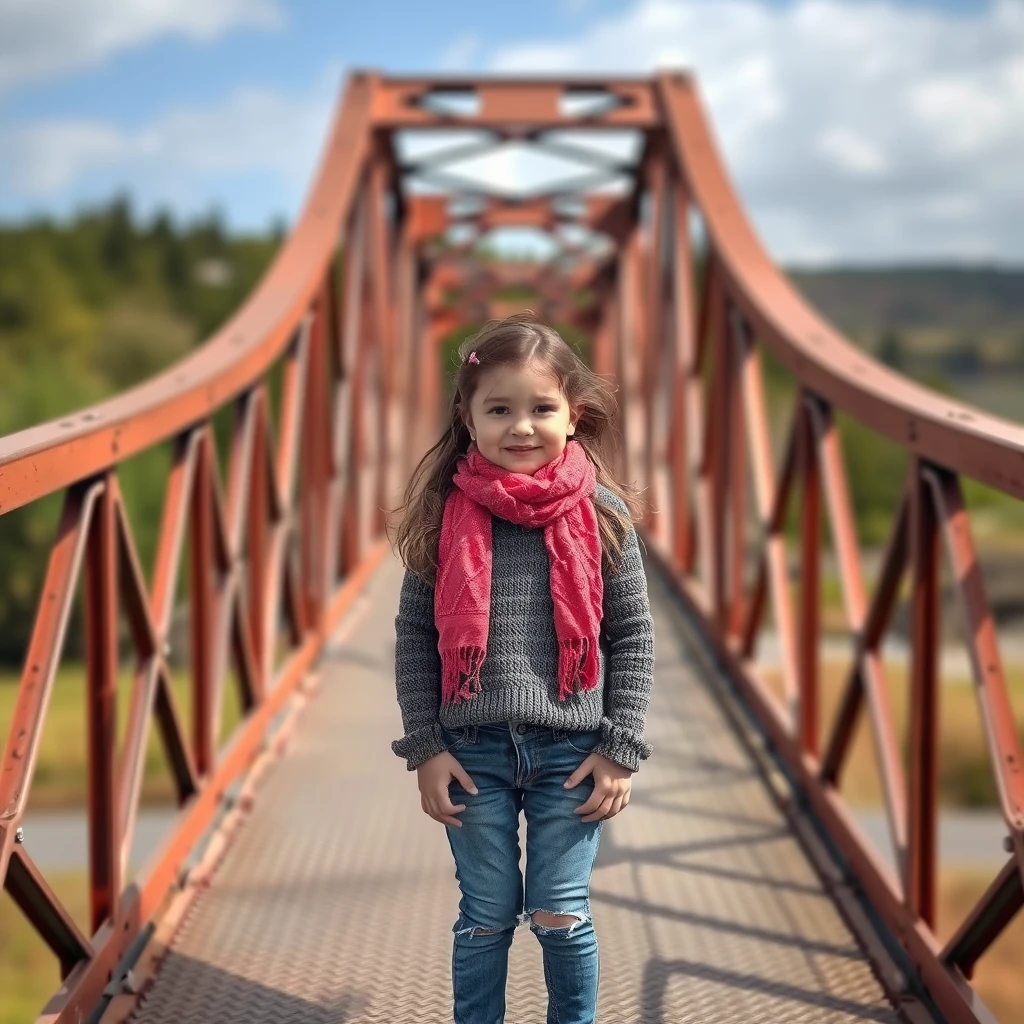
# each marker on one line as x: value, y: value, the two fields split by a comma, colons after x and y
x: 45, y: 458
x: 336, y: 311
x: 935, y: 427
x: 357, y: 345
x: 718, y: 451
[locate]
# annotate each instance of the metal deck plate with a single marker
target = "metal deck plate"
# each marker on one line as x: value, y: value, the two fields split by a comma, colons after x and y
x: 336, y: 899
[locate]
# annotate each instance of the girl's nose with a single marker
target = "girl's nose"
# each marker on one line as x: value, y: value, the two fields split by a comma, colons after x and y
x: 522, y: 426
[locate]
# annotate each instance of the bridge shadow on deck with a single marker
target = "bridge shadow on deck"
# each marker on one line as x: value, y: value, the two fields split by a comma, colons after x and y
x: 336, y: 898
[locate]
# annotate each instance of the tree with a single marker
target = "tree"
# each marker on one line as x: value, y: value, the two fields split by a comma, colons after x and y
x: 118, y: 244
x: 963, y: 358
x: 89, y: 308
x: 892, y: 350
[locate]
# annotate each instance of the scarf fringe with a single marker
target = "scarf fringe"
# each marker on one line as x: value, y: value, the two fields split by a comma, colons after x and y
x: 577, y: 667
x: 460, y: 673
x: 460, y: 670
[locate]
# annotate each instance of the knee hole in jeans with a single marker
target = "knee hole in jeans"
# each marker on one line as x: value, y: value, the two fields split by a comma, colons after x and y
x: 472, y: 930
x: 548, y: 921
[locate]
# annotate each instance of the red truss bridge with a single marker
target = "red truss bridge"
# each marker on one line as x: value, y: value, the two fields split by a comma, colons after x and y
x: 300, y: 881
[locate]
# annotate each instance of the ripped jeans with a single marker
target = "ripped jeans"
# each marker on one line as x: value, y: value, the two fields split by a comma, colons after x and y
x: 519, y: 767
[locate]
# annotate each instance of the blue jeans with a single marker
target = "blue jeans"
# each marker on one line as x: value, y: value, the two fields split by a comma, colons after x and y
x: 520, y: 767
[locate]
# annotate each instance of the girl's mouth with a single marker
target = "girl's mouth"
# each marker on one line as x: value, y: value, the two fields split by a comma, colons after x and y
x: 521, y: 448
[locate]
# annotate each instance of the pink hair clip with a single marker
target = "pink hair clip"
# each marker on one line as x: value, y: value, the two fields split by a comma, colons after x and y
x: 472, y: 358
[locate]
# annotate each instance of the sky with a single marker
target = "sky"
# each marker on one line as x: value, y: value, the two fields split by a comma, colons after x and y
x: 856, y: 131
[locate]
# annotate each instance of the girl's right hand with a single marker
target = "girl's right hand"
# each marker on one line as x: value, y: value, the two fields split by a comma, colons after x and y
x: 434, y: 776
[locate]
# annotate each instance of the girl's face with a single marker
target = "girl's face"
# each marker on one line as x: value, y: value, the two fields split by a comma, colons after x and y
x: 519, y: 417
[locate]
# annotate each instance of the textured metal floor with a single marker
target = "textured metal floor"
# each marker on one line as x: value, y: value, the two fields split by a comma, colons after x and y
x: 336, y: 899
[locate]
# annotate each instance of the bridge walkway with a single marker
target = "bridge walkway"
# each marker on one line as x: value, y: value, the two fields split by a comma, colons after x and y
x: 334, y: 899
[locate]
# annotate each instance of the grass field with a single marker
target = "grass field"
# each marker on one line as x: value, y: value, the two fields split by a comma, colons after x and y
x: 28, y: 973
x: 61, y: 777
x: 997, y: 977
x: 28, y: 970
x: 965, y: 777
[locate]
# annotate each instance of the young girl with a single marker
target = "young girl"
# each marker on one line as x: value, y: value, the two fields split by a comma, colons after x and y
x: 524, y: 656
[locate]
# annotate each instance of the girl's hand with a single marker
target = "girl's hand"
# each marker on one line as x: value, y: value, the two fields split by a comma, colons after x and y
x: 612, y: 783
x: 434, y: 775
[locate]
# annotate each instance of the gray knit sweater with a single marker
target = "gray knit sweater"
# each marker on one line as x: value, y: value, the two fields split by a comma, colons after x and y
x: 518, y: 681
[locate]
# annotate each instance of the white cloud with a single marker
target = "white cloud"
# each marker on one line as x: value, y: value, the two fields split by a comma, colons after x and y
x: 459, y: 54
x: 187, y: 157
x: 854, y: 130
x: 858, y: 130
x: 45, y: 158
x: 45, y: 38
x: 850, y: 151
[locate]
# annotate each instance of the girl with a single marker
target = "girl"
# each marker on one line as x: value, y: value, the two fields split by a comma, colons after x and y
x: 524, y: 656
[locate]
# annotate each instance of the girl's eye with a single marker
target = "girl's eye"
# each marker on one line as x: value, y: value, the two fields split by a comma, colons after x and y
x: 504, y: 408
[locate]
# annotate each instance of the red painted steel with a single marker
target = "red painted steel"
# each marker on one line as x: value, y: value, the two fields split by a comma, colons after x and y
x: 944, y: 438
x: 738, y: 345
x: 810, y: 583
x: 101, y: 573
x: 353, y: 312
x: 951, y: 434
x: 920, y: 880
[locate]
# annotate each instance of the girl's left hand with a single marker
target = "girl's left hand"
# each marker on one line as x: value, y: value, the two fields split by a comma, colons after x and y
x: 611, y: 787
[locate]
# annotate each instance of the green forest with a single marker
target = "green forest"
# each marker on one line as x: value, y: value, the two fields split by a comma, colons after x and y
x: 94, y: 304
x: 88, y: 308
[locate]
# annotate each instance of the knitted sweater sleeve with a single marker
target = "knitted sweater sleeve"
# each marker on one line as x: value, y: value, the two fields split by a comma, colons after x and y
x: 629, y: 630
x: 417, y: 673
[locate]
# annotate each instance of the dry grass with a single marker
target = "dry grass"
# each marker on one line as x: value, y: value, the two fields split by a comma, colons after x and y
x: 28, y: 970
x: 965, y: 776
x: 965, y: 780
x: 61, y: 772
x: 997, y: 977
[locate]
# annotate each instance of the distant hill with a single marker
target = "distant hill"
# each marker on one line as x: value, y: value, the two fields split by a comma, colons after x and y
x: 965, y: 300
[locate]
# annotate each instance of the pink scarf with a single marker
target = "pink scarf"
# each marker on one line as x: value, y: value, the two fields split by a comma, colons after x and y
x: 557, y: 498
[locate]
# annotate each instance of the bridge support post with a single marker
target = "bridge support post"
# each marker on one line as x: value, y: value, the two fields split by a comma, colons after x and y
x: 920, y: 884
x: 810, y: 580
x: 101, y: 703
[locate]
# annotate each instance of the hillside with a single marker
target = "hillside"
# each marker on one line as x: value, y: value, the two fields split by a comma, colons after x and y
x: 954, y: 301
x: 90, y: 306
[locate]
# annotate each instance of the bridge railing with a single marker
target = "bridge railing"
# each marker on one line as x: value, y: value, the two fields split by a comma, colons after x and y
x: 296, y: 522
x: 283, y: 538
x: 697, y: 433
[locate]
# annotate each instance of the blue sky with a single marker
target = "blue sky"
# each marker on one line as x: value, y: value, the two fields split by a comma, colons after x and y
x: 855, y: 129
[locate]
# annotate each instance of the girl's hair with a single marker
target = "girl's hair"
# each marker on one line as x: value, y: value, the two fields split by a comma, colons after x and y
x: 517, y: 340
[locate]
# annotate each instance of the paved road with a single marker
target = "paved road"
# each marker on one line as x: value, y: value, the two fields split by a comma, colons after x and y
x: 965, y: 837
x: 58, y: 839
x: 954, y: 664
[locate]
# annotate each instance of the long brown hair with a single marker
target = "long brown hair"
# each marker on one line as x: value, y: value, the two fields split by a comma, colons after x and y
x: 517, y: 340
